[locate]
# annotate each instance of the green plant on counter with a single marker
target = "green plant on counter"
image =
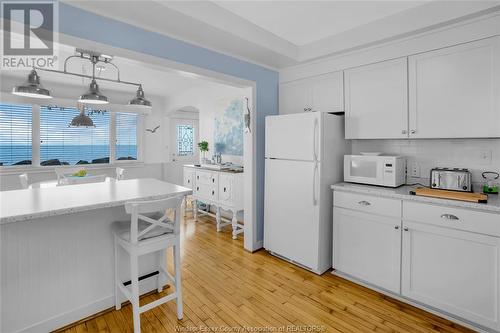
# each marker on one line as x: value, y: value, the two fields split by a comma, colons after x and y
x: 203, y: 146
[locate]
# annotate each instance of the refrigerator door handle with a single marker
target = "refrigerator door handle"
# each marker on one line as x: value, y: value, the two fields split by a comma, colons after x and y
x: 315, y: 198
x: 315, y: 134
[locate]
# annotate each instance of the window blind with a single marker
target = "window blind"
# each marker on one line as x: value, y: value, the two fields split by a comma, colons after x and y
x: 15, y: 134
x: 64, y: 145
x: 126, y: 136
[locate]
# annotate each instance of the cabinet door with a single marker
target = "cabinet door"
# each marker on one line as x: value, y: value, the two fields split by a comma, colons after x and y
x: 367, y: 247
x: 452, y: 270
x: 225, y: 189
x: 455, y: 91
x: 376, y: 101
x: 295, y: 97
x: 188, y: 177
x: 327, y: 92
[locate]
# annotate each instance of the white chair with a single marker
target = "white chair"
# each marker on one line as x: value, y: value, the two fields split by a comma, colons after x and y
x: 23, y: 178
x: 120, y: 173
x: 62, y: 172
x: 146, y: 234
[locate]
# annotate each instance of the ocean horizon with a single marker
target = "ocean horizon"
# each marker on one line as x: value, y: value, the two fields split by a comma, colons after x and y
x: 65, y: 154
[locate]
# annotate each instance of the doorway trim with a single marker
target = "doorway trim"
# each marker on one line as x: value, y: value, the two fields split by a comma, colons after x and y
x: 250, y: 242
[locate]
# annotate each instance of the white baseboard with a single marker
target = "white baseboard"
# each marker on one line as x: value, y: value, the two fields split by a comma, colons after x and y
x: 74, y: 315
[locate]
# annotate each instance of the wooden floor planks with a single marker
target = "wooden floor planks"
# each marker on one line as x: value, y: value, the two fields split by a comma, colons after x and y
x: 225, y: 286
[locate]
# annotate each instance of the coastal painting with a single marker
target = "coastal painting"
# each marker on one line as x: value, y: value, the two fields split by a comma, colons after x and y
x: 228, y: 129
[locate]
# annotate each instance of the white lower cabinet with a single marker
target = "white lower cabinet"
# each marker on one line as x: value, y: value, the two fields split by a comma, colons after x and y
x: 443, y: 258
x: 368, y: 247
x: 452, y: 270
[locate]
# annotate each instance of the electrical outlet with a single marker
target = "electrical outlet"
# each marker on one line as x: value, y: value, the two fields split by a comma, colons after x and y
x: 485, y: 157
x: 415, y: 170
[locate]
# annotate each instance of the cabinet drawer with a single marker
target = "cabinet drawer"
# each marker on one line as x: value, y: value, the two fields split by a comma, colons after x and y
x: 206, y: 191
x: 368, y: 203
x: 450, y: 217
x: 207, y: 177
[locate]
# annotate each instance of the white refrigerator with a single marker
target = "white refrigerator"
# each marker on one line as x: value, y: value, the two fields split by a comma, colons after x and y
x: 304, y: 157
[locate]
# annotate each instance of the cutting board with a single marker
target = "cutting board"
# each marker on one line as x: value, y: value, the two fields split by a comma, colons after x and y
x: 452, y: 195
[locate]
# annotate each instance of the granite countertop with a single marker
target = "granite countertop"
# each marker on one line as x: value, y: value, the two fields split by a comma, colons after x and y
x: 403, y: 193
x: 22, y: 205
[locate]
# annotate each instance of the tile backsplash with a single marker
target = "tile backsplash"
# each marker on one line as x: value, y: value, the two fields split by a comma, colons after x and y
x: 477, y: 155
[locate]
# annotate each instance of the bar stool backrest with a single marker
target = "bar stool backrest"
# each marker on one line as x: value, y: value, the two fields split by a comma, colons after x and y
x: 137, y: 209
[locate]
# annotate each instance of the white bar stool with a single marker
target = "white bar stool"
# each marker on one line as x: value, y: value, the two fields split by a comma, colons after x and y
x: 142, y: 235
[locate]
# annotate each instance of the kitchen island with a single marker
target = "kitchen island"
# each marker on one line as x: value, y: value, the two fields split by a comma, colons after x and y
x: 57, y: 254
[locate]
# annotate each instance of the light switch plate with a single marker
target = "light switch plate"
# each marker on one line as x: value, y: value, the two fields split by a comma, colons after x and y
x: 415, y: 169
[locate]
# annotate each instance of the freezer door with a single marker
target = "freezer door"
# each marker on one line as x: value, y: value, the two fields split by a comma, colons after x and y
x: 294, y: 136
x: 291, y: 215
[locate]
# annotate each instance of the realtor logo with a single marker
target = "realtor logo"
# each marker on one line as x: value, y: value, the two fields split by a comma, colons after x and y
x: 29, y: 34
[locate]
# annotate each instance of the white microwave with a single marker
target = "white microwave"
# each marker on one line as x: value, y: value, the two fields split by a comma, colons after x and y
x: 382, y: 170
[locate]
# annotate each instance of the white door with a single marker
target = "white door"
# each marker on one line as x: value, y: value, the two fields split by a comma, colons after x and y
x: 376, y: 101
x: 294, y: 136
x: 452, y: 270
x: 368, y: 247
x: 327, y: 92
x: 183, y: 147
x: 291, y: 214
x: 295, y: 96
x: 455, y: 91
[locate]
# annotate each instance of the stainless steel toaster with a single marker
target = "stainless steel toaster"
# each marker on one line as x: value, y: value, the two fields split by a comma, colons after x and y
x: 453, y: 179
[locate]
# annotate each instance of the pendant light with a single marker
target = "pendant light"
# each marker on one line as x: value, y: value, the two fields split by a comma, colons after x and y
x: 93, y: 95
x: 32, y: 88
x: 139, y: 99
x: 81, y: 120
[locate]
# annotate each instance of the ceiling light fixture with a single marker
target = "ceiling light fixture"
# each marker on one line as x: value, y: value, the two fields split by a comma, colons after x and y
x: 139, y: 99
x: 81, y: 120
x: 93, y: 96
x: 32, y: 87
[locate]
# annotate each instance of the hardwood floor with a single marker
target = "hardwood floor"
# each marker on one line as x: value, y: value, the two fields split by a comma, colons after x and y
x: 228, y: 289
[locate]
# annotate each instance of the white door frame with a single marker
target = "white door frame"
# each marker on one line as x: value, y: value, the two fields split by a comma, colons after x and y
x: 250, y: 242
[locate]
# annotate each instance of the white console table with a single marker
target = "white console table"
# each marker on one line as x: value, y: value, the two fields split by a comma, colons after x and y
x: 222, y: 189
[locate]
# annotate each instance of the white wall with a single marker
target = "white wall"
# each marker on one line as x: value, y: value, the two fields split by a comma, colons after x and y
x: 457, y: 153
x: 209, y: 100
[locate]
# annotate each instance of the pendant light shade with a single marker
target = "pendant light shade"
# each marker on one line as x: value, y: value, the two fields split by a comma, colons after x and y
x: 139, y: 99
x: 82, y: 120
x: 93, y: 95
x: 32, y: 88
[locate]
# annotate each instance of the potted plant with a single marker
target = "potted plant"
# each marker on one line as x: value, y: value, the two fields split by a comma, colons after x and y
x: 203, y: 146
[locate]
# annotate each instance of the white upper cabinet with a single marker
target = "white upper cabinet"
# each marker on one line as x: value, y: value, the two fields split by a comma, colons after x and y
x: 455, y: 92
x: 376, y: 100
x: 323, y: 93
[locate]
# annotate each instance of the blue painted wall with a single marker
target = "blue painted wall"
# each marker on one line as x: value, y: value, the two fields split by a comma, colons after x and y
x: 79, y: 23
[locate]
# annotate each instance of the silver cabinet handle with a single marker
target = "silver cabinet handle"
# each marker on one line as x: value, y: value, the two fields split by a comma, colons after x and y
x: 449, y: 217
x: 406, y: 229
x: 403, y: 132
x: 364, y: 203
x: 413, y: 131
x: 396, y: 227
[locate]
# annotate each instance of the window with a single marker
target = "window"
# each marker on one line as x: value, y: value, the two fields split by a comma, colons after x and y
x: 15, y: 134
x: 60, y: 144
x: 126, y: 136
x: 185, y: 138
x: 63, y: 145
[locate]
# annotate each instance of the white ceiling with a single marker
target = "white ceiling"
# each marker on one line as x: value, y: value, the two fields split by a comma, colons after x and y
x: 282, y: 33
x: 303, y: 22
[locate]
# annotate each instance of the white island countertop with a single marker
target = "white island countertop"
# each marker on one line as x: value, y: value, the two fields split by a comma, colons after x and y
x: 22, y: 205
